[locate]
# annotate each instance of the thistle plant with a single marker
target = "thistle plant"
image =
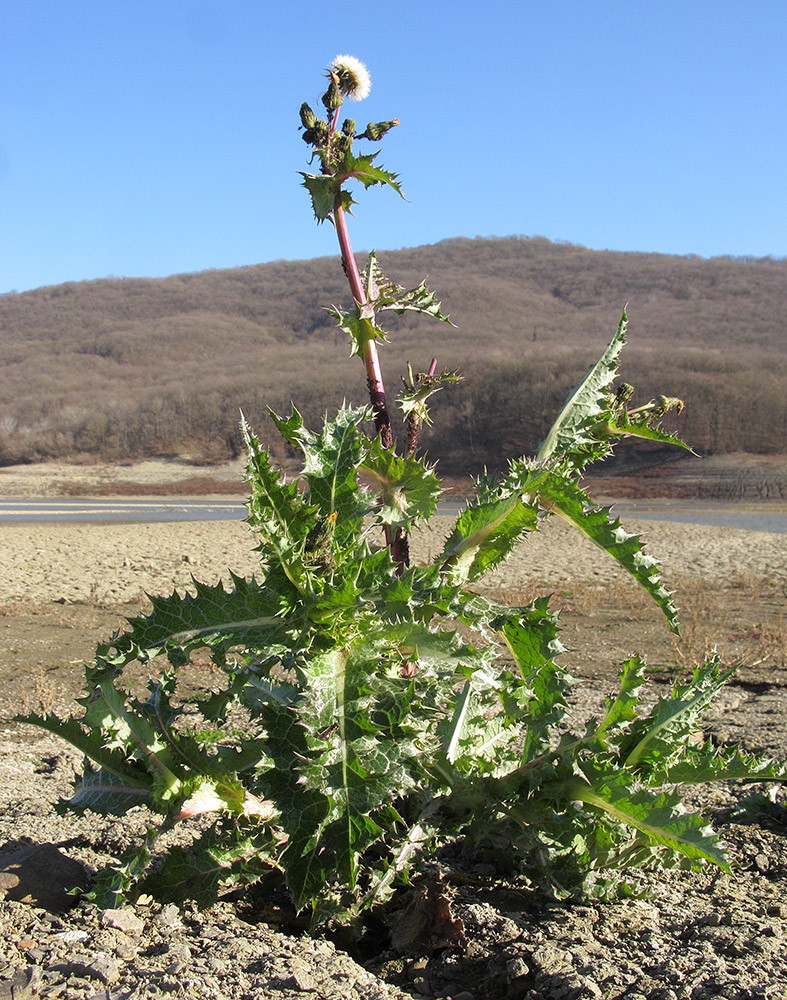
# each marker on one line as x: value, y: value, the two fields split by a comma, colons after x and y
x: 372, y: 710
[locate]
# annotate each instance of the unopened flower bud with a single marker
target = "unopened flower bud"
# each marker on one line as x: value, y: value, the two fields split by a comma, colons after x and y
x: 376, y: 130
x: 308, y: 117
x: 348, y: 127
x: 624, y: 393
x: 332, y: 98
x: 317, y: 135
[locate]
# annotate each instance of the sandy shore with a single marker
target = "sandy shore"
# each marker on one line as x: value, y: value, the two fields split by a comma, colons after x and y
x: 112, y: 563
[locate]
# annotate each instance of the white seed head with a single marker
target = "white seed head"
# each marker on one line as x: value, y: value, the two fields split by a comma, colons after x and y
x: 352, y: 77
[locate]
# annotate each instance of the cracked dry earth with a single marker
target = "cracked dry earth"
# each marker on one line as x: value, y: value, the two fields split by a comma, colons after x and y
x: 691, y: 936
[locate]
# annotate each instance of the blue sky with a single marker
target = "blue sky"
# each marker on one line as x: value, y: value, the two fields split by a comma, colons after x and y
x: 151, y: 137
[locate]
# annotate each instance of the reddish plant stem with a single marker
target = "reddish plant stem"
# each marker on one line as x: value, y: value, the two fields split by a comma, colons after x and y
x: 396, y: 541
x: 371, y: 359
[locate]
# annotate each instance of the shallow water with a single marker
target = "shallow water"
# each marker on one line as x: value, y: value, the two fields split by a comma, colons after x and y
x: 771, y: 517
x: 749, y: 517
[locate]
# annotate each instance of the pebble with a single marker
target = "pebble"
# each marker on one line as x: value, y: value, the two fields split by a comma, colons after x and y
x: 105, y: 969
x: 123, y: 920
x: 169, y: 916
x: 517, y: 968
x: 72, y: 936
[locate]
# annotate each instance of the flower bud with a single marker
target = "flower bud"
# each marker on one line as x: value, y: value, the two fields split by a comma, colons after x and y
x: 308, y: 117
x: 624, y: 394
x: 376, y: 130
x: 332, y: 98
x: 317, y: 135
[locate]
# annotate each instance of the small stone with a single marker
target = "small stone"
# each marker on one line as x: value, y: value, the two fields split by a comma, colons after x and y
x: 517, y: 968
x: 553, y: 960
x: 761, y: 863
x: 180, y: 953
x: 79, y: 982
x: 104, y: 968
x: 23, y: 983
x: 123, y: 919
x: 71, y: 937
x: 591, y: 987
x: 169, y: 916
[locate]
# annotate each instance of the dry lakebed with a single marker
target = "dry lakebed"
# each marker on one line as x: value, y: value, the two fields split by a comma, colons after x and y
x: 691, y: 936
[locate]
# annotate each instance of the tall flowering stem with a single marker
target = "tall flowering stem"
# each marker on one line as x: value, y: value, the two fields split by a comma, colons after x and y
x: 333, y: 146
x: 395, y: 540
x: 371, y: 358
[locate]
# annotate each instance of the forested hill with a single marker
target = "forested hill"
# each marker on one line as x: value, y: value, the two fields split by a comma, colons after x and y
x: 123, y: 368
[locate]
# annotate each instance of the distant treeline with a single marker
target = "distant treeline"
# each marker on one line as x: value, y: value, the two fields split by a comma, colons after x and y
x: 130, y: 368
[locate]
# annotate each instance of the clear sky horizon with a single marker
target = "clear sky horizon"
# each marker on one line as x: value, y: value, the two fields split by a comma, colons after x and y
x: 161, y: 136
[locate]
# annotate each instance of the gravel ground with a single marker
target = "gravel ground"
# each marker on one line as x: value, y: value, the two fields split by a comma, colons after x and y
x: 693, y: 936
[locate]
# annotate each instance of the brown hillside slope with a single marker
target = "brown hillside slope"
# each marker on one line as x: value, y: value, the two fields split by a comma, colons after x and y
x: 123, y: 368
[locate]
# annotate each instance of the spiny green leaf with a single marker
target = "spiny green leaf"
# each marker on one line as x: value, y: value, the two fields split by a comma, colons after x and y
x: 330, y: 462
x: 418, y: 389
x: 363, y: 168
x: 103, y: 792
x: 112, y: 886
x: 709, y: 762
x: 572, y: 434
x: 349, y: 756
x: 221, y: 858
x: 532, y: 697
x: 416, y: 594
x: 277, y: 511
x: 91, y: 743
x: 360, y: 329
x: 124, y: 725
x: 383, y: 294
x: 538, y: 701
x: 660, y: 816
x: 621, y: 711
x: 656, y: 742
x: 562, y: 496
x: 324, y: 190
x: 408, y: 488
x: 621, y: 428
x: 531, y: 636
x: 484, y: 536
x: 249, y: 614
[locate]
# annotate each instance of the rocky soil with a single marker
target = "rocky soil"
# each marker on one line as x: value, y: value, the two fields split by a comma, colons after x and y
x: 690, y: 936
x: 693, y: 935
